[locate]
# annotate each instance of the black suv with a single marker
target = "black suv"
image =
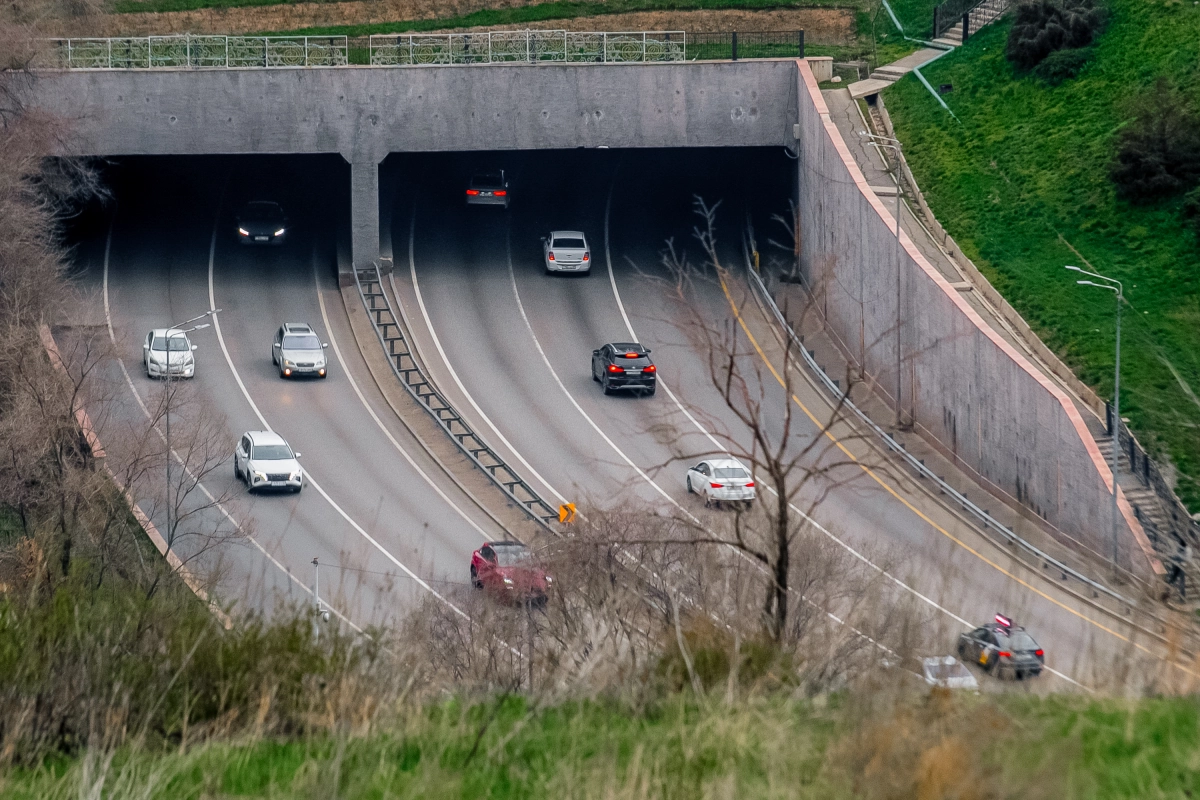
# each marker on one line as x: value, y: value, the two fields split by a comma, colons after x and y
x: 1003, y: 649
x: 624, y: 365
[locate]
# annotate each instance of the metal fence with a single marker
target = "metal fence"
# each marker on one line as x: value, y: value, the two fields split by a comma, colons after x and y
x: 747, y: 44
x: 488, y: 47
x: 149, y: 52
x: 508, y: 47
x: 950, y: 13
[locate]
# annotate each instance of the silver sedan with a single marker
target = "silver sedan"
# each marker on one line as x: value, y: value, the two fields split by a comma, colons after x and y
x: 567, y: 251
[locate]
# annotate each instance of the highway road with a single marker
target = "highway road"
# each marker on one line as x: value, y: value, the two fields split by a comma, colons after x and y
x: 510, y: 347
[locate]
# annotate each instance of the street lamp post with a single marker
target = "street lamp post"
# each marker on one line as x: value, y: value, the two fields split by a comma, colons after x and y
x: 881, y: 142
x: 175, y: 330
x: 1113, y: 285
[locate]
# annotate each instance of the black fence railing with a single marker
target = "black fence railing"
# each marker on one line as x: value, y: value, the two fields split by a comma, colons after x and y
x: 745, y: 44
x: 950, y: 13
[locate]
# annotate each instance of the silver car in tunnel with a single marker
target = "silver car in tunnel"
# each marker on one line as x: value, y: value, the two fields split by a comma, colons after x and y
x: 567, y: 251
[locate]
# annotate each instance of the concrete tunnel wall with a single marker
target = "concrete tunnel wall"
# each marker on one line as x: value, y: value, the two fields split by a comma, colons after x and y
x: 365, y: 113
x: 966, y: 388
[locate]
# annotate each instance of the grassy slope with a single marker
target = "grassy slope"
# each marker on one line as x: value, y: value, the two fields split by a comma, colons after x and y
x: 1029, y: 163
x: 1060, y: 747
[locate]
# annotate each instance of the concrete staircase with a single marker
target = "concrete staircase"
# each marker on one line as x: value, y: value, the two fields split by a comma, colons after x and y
x: 984, y: 14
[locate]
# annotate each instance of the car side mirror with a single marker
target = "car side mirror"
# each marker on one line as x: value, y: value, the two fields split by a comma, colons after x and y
x: 195, y: 347
x: 145, y: 346
x: 277, y: 344
x: 647, y: 351
x: 297, y: 455
x: 595, y: 352
x: 324, y: 345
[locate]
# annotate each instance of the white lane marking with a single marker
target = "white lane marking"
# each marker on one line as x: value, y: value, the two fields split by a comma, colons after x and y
x: 341, y: 512
x: 219, y: 506
x: 512, y: 276
x: 412, y: 267
x: 354, y: 385
x: 829, y: 534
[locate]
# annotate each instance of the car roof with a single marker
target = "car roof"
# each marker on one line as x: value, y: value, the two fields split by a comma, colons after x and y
x: 163, y: 332
x: 503, y: 543
x: 723, y: 463
x: 265, y: 437
x: 297, y: 327
x: 626, y: 346
x: 567, y: 234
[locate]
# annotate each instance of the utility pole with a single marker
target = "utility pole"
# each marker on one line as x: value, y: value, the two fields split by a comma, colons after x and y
x: 881, y: 142
x: 1113, y: 285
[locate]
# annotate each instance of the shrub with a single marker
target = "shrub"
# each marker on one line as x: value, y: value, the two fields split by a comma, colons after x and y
x: 1063, y: 65
x: 1158, y: 152
x: 1042, y: 27
x: 1191, y: 209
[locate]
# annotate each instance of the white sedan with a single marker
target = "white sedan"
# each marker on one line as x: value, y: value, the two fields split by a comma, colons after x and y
x: 721, y: 480
x: 168, y: 350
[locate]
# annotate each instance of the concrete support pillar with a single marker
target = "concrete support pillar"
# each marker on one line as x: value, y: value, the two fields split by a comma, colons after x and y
x: 364, y: 212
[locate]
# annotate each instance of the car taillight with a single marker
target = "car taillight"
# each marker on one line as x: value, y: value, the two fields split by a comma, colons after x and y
x: 631, y: 354
x: 472, y: 192
x: 500, y: 193
x: 551, y: 256
x: 1039, y: 653
x: 749, y: 484
x: 615, y: 368
x: 587, y: 256
x: 717, y: 485
x: 651, y: 369
x: 1004, y: 654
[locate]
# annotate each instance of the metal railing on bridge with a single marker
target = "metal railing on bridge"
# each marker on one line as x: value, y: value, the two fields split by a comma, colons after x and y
x: 509, y: 47
x: 402, y: 50
x: 187, y: 50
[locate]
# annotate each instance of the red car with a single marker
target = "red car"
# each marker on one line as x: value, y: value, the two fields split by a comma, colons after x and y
x: 507, y: 570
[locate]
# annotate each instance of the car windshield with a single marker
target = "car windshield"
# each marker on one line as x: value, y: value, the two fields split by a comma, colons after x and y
x: 488, y: 179
x: 731, y: 472
x: 262, y: 211
x: 306, y: 342
x: 178, y: 344
x: 1021, y: 642
x: 576, y: 243
x: 272, y: 452
x: 511, y: 555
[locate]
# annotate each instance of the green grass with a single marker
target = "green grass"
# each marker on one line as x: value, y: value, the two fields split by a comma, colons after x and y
x: 1060, y: 747
x: 1028, y: 164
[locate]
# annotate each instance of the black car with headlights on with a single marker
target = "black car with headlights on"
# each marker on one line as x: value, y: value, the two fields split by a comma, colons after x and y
x: 1003, y: 649
x: 624, y: 365
x: 262, y: 222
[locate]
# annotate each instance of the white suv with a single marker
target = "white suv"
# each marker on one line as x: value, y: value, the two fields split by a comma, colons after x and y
x: 265, y: 461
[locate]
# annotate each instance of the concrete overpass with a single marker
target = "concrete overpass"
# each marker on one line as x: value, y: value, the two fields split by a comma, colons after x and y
x: 365, y: 113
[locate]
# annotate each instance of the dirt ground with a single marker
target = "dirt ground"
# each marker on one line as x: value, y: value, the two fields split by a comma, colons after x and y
x: 820, y: 25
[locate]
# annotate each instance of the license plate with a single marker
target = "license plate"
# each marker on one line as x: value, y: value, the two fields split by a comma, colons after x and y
x: 261, y: 238
x: 486, y: 194
x: 280, y: 484
x: 633, y: 372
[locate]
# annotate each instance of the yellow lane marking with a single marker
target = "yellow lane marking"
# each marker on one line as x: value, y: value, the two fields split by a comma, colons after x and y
x: 829, y: 435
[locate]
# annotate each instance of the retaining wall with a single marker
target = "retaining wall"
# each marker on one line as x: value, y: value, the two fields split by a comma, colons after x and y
x: 961, y: 384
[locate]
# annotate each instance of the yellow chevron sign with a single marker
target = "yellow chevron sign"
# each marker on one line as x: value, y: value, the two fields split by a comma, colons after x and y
x: 566, y: 513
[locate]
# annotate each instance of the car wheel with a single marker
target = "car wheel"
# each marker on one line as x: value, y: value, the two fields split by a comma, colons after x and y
x: 707, y: 500
x: 607, y: 390
x: 689, y: 485
x: 962, y: 650
x: 478, y: 584
x: 651, y: 392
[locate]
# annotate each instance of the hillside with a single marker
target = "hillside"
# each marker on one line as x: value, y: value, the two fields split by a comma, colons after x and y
x: 1022, y: 184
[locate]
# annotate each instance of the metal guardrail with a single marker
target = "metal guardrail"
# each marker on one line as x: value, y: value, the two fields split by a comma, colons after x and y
x: 890, y: 442
x: 187, y: 50
x: 411, y: 50
x: 511, y: 47
x: 405, y: 367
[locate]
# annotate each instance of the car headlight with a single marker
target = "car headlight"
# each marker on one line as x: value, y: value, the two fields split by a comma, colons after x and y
x: 508, y: 581
x: 294, y: 476
x: 259, y: 476
x: 549, y: 580
x: 243, y: 232
x: 279, y: 232
x: 287, y: 363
